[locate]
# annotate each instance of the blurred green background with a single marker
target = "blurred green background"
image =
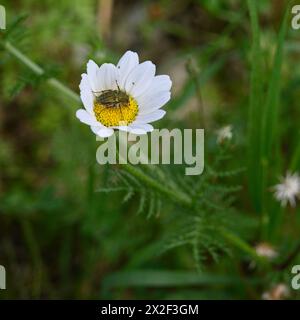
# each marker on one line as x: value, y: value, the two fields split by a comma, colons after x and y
x: 62, y: 238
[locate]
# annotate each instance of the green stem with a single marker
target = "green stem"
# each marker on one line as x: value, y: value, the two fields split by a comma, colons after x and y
x: 176, y: 196
x: 243, y: 246
x: 54, y: 83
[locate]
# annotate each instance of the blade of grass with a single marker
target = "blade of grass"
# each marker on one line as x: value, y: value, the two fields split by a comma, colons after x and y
x: 295, y: 164
x: 255, y: 106
x: 164, y: 279
x: 271, y: 112
x: 271, y: 118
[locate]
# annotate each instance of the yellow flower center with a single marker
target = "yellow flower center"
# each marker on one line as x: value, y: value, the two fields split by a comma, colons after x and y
x: 113, y: 113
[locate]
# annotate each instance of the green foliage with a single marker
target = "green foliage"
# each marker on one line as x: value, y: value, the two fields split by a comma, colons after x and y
x: 264, y: 118
x: 199, y: 226
x: 73, y: 229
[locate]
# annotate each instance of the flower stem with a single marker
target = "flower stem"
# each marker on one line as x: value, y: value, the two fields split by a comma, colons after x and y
x: 177, y: 196
x: 243, y: 246
x: 39, y: 71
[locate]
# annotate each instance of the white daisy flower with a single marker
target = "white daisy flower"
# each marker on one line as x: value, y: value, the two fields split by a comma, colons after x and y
x: 288, y: 190
x: 224, y: 133
x: 266, y: 250
x: 127, y: 96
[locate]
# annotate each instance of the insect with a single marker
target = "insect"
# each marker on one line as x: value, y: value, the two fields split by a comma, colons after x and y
x: 112, y: 99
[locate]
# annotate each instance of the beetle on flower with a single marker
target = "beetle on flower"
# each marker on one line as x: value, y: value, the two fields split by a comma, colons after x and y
x: 126, y: 97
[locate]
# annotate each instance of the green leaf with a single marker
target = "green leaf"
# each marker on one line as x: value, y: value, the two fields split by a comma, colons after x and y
x: 151, y: 278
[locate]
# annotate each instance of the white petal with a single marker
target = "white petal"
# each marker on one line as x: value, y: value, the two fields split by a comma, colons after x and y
x: 159, y: 84
x: 122, y: 128
x: 92, y: 70
x: 153, y: 103
x: 136, y: 128
x: 108, y: 76
x: 86, y: 117
x: 102, y: 131
x: 127, y: 62
x: 138, y: 131
x: 140, y: 78
x: 142, y: 128
x: 147, y: 118
x: 84, y: 83
x: 86, y: 94
x: 95, y: 129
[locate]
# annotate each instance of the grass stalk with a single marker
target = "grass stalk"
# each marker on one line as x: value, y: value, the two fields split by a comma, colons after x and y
x: 255, y: 110
x: 270, y: 123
